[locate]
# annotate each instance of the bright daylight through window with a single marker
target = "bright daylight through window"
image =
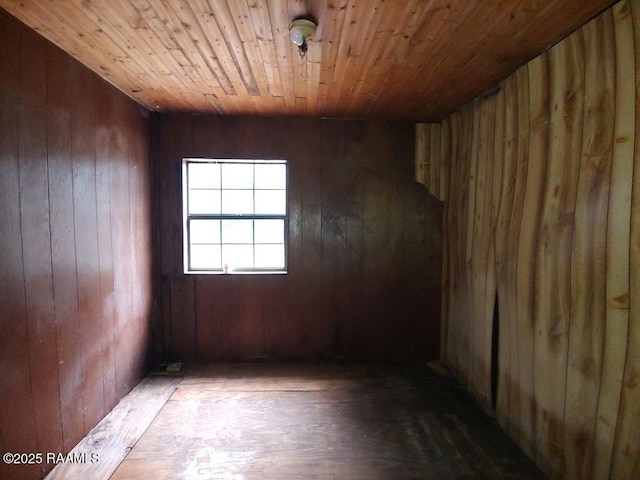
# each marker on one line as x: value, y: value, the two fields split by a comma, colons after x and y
x: 235, y: 216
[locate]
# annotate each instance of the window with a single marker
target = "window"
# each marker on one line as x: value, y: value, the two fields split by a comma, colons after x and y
x: 235, y: 216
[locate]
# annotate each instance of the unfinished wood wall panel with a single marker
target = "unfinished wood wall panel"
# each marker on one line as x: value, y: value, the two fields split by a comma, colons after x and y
x: 541, y: 209
x: 74, y: 162
x: 363, y: 243
x: 429, y: 168
x: 627, y: 434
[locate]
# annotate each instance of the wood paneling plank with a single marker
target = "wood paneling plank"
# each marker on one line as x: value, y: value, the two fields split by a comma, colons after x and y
x: 532, y: 238
x: 506, y: 362
x: 532, y: 171
x: 588, y: 267
x: 86, y: 236
x: 314, y: 336
x: 250, y: 317
x: 445, y: 282
x: 454, y: 228
x: 516, y: 156
x: 103, y: 55
x: 202, y: 67
x: 422, y: 154
x: 488, y: 164
x: 465, y: 219
x: 183, y: 328
x: 500, y: 401
x: 399, y: 339
x: 340, y: 55
x: 158, y: 27
x: 435, y: 167
x: 625, y: 462
x: 289, y: 345
x: 553, y: 312
x: 208, y: 301
x: 332, y: 23
x: 452, y: 351
x: 354, y: 237
x: 245, y: 34
x: 63, y: 242
x: 364, y: 25
x: 260, y: 18
x: 140, y: 265
x: 228, y: 33
x: 183, y: 322
x: 36, y: 240
x: 474, y: 323
x: 17, y: 421
x: 333, y: 232
x: 194, y: 55
x: 617, y: 237
x: 377, y: 225
x: 103, y: 119
x: 120, y: 244
x: 125, y: 26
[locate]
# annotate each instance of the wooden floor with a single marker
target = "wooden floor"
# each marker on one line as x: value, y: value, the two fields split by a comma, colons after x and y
x: 310, y: 421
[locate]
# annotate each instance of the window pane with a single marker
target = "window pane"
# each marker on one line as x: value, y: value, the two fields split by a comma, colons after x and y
x: 204, y: 231
x: 228, y: 205
x: 204, y: 175
x: 269, y: 231
x: 237, y: 231
x: 237, y: 256
x: 237, y: 175
x: 272, y: 175
x: 205, y: 256
x: 204, y: 201
x: 237, y: 201
x: 271, y: 201
x: 269, y: 256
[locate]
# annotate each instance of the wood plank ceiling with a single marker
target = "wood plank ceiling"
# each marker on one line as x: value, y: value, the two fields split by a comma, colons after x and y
x: 417, y: 59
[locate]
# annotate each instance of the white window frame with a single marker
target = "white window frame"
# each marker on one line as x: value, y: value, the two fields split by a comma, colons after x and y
x: 188, y: 217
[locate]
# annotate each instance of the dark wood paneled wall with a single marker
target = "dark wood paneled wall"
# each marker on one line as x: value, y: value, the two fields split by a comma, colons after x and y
x: 75, y: 247
x: 543, y: 210
x: 364, y: 246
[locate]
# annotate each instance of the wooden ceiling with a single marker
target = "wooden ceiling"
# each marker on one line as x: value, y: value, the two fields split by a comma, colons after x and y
x: 416, y: 59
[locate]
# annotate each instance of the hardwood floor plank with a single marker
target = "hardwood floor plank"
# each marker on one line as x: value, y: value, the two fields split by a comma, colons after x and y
x: 110, y: 441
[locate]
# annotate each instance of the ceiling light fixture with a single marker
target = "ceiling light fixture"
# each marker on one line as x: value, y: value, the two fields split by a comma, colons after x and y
x: 299, y: 30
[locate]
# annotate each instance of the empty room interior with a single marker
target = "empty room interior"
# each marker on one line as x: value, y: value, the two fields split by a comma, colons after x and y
x: 330, y: 239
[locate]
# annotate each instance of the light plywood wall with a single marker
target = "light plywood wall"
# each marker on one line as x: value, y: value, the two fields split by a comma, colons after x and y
x: 542, y: 219
x: 429, y: 168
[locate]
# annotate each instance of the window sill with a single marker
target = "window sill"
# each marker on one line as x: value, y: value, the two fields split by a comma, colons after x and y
x: 239, y: 272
